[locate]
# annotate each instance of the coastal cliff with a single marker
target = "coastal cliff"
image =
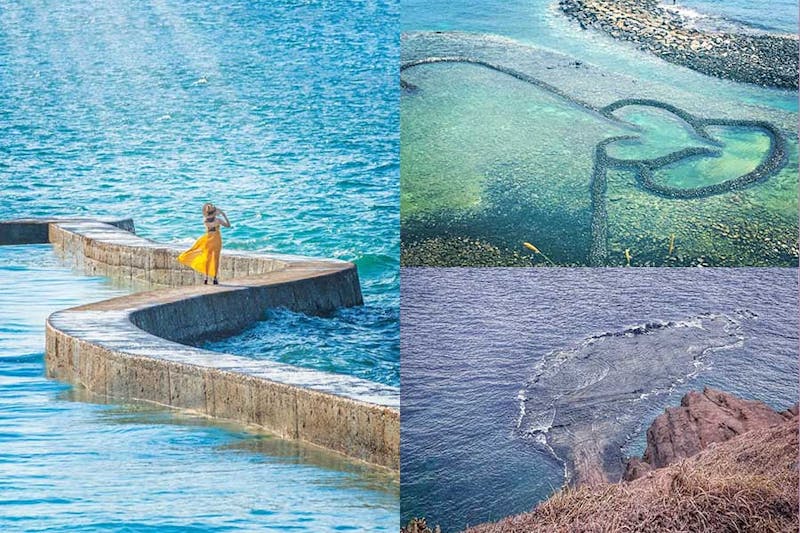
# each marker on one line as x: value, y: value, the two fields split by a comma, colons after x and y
x: 703, y: 418
x: 716, y: 463
x: 763, y: 59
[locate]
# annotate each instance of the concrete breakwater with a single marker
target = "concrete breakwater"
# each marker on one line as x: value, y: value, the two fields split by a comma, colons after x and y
x: 130, y: 347
x: 767, y: 60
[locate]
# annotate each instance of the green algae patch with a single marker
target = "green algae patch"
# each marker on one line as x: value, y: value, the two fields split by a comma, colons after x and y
x: 744, y: 150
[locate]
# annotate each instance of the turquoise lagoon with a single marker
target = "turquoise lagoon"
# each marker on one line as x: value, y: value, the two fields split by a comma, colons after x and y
x: 489, y: 160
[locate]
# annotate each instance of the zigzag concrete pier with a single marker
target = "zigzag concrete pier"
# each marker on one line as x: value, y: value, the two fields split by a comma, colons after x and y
x: 131, y: 348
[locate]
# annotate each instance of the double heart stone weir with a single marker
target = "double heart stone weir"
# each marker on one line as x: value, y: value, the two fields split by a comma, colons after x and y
x: 774, y: 160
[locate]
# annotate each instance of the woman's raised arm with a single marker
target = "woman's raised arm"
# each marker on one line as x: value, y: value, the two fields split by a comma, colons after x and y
x: 225, y: 222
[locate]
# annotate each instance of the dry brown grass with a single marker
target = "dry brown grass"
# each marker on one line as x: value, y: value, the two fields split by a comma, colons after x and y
x: 747, y: 484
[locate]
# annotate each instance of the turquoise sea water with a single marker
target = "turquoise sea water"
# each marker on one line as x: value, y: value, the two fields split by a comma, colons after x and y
x: 539, y: 22
x: 284, y: 114
x: 350, y: 343
x: 70, y: 462
x: 490, y: 161
x: 722, y: 15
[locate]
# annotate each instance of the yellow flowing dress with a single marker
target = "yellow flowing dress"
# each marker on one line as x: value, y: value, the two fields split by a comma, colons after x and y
x: 203, y: 256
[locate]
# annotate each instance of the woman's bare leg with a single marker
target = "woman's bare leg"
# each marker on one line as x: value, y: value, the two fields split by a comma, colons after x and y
x: 209, y: 263
x: 216, y: 267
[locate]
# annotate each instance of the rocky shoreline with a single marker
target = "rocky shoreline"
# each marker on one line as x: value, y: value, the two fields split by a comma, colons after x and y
x: 703, y: 419
x: 762, y: 59
x: 716, y: 463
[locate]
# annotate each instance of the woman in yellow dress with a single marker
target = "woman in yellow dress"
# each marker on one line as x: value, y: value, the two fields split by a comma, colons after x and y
x: 204, y: 255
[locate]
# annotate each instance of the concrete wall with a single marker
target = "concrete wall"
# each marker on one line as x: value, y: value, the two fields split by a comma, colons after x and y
x: 36, y: 230
x: 108, y: 356
x: 130, y: 347
x: 100, y: 249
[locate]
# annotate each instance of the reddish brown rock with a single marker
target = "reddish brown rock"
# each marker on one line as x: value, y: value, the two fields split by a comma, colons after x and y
x: 703, y: 418
x: 635, y: 469
x: 748, y: 483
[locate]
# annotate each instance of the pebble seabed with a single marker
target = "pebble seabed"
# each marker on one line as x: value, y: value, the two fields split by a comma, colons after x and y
x: 643, y: 168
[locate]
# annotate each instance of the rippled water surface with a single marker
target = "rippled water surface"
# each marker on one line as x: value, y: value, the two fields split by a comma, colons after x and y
x: 540, y: 22
x: 738, y: 15
x: 284, y: 114
x: 348, y: 342
x: 505, y: 369
x: 69, y: 462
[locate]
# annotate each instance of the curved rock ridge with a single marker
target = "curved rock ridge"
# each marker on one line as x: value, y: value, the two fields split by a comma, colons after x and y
x: 585, y: 82
x: 583, y: 402
x: 131, y: 347
x: 702, y: 419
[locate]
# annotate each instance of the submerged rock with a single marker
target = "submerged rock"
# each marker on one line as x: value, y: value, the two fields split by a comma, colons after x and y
x: 584, y: 402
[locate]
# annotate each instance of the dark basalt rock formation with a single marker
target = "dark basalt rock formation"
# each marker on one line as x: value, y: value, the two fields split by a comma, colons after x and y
x: 703, y: 418
x: 408, y: 87
x: 764, y: 59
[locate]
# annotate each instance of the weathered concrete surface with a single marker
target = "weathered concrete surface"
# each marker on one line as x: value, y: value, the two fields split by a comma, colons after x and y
x: 102, y: 249
x: 36, y: 230
x: 129, y: 347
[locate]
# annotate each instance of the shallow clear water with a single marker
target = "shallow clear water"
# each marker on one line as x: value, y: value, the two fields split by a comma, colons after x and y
x: 474, y: 339
x: 539, y: 22
x: 283, y: 114
x: 744, y: 149
x: 489, y: 161
x: 70, y: 462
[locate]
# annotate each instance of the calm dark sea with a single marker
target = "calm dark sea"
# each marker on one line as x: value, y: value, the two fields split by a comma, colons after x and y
x: 472, y: 339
